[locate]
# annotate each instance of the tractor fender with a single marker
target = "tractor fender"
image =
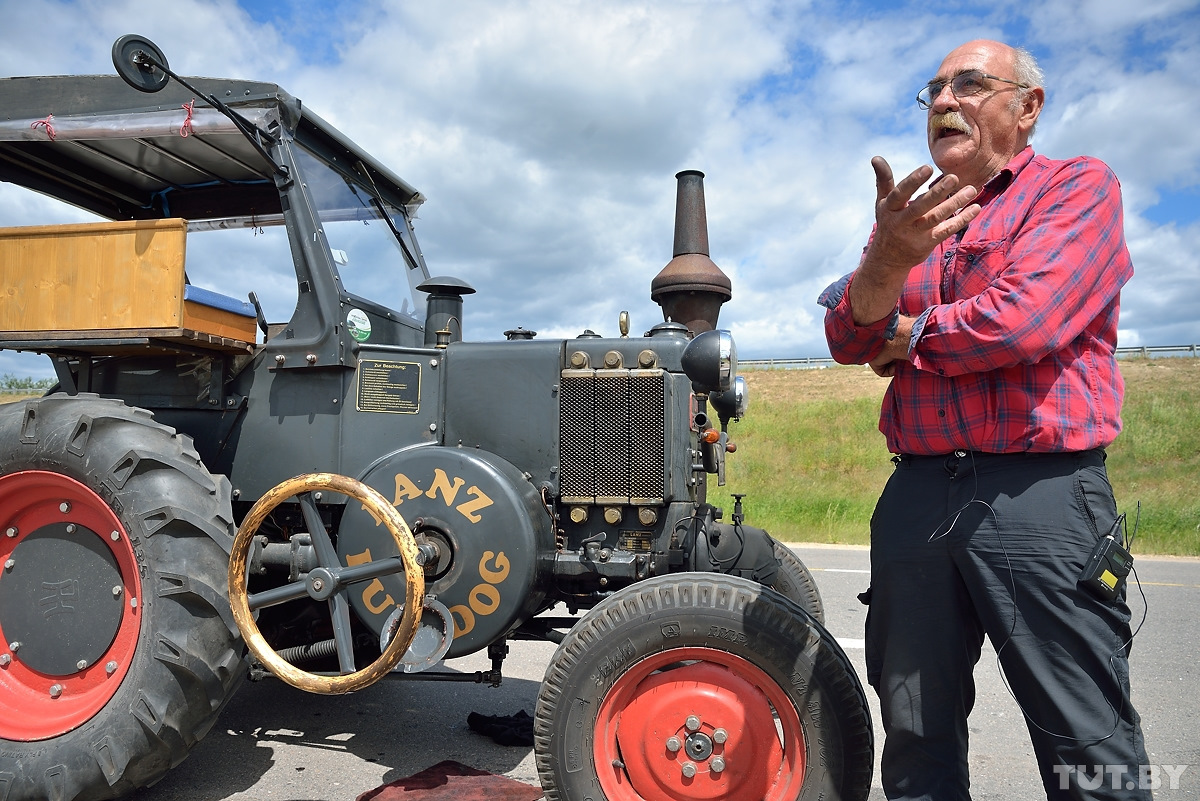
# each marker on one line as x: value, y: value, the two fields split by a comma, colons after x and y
x: 489, y: 523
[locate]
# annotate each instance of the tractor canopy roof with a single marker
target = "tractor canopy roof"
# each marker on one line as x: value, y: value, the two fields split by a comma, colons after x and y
x: 95, y: 142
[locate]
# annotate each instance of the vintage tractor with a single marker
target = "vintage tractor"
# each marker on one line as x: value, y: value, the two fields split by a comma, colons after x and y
x: 357, y: 492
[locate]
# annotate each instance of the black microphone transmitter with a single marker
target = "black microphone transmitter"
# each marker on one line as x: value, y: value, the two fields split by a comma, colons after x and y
x: 1107, y: 566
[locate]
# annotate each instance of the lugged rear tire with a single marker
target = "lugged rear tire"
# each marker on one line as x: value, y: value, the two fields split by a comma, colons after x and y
x: 139, y: 707
x: 673, y: 673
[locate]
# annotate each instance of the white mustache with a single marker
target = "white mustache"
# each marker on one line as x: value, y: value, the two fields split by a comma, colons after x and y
x: 949, y: 119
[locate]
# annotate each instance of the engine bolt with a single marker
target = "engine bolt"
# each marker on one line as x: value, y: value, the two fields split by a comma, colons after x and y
x: 318, y: 585
x: 110, y: 668
x: 689, y: 770
x: 717, y: 764
x: 692, y: 723
x: 720, y: 736
x: 117, y: 591
x: 579, y: 514
x: 55, y: 690
x: 648, y: 516
x: 64, y: 507
x: 11, y: 531
x: 114, y: 535
x: 673, y: 744
x: 81, y: 664
x: 9, y: 564
x: 70, y: 528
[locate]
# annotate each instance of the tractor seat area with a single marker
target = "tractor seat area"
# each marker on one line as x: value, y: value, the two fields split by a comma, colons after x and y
x: 112, y: 282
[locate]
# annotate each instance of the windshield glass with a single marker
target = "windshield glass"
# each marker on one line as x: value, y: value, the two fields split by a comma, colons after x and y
x: 370, y: 240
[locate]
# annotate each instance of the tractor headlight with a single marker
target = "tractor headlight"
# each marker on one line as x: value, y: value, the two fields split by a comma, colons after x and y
x: 710, y: 360
x: 732, y: 402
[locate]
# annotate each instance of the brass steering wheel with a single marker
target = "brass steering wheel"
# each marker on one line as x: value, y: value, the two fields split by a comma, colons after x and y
x: 329, y: 581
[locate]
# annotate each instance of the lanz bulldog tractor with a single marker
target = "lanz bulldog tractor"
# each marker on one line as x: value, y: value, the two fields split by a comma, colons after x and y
x: 358, y: 493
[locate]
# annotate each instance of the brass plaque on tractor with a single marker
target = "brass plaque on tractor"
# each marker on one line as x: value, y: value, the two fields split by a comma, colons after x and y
x: 389, y: 387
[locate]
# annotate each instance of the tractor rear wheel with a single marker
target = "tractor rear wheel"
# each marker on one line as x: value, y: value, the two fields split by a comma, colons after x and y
x: 117, y: 646
x: 705, y: 686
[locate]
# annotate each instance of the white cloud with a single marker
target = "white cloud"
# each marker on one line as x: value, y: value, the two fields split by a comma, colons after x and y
x: 546, y: 134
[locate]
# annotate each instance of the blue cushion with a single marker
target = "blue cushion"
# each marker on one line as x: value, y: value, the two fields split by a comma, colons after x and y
x: 206, y: 297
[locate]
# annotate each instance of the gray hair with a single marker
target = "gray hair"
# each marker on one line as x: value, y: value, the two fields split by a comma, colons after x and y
x: 1027, y: 71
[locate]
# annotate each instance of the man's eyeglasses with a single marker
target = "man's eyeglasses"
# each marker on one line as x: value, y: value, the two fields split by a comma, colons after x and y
x: 962, y: 85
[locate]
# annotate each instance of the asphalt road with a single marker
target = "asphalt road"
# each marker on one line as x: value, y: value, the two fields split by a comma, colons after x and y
x: 273, y: 742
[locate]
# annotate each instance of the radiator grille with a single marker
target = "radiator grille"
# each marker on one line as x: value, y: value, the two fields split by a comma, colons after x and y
x: 612, y: 436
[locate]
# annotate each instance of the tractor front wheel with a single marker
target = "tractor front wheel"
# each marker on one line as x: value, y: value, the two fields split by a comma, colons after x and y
x: 117, y: 646
x: 699, y: 686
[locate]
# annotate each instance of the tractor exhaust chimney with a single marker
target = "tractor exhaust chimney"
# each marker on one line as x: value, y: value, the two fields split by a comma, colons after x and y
x: 691, y: 288
x: 443, y: 309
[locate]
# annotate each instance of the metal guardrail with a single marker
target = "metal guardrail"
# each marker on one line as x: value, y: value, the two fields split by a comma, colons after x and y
x: 1160, y: 350
x: 817, y: 362
x: 806, y: 363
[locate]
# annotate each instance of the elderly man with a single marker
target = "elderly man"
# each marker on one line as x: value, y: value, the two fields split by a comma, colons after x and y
x: 991, y: 300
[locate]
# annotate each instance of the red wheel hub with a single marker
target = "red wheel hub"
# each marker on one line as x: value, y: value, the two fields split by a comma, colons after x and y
x: 698, y: 723
x: 70, y: 604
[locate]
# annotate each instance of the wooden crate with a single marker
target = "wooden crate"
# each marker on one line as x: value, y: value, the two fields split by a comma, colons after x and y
x: 106, y: 280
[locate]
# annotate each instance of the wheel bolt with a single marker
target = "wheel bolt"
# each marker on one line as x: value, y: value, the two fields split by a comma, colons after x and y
x: 11, y: 531
x: 117, y: 591
x: 5, y: 659
x: 717, y: 764
x: 64, y: 507
x: 133, y: 603
x: 110, y: 668
x: 673, y: 744
x: 318, y: 585
x: 692, y: 723
x: 720, y: 736
x: 81, y: 664
x: 55, y: 690
x: 14, y: 646
x: 114, y: 536
x: 9, y: 564
x: 70, y: 528
x: 689, y: 770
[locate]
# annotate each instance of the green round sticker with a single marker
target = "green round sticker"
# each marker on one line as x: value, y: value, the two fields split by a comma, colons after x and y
x: 359, y: 325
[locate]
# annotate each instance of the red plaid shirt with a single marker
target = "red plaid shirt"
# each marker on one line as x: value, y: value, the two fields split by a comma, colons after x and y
x: 1013, y: 346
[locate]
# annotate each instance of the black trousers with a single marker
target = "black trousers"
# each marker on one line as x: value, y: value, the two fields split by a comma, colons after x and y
x: 971, y: 544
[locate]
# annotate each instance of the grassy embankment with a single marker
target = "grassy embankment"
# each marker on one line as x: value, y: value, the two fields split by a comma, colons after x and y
x: 812, y: 461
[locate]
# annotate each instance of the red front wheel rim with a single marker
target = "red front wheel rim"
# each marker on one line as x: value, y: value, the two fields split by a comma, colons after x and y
x: 47, y: 690
x: 698, y: 723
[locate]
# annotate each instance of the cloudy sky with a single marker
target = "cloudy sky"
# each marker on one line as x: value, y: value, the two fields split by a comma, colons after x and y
x: 546, y: 135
